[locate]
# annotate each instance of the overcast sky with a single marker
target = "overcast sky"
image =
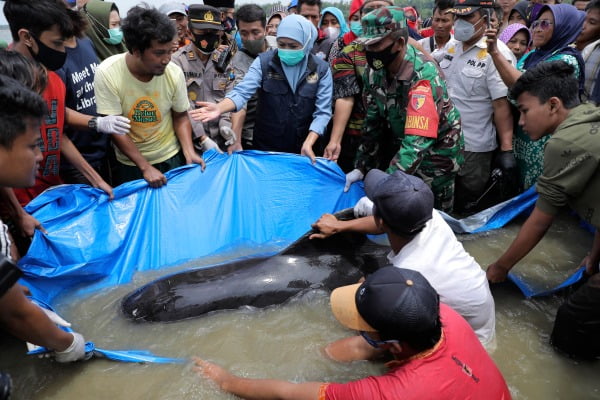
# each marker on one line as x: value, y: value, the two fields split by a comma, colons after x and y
x: 125, y: 5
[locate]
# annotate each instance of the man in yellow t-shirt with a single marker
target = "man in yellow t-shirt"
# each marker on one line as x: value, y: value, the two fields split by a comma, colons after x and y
x: 143, y: 85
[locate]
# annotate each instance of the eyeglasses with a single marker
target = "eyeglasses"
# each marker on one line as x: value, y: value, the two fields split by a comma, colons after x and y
x: 375, y: 343
x: 544, y: 24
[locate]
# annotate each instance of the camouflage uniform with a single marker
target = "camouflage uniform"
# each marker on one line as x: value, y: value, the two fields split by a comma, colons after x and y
x: 411, y: 143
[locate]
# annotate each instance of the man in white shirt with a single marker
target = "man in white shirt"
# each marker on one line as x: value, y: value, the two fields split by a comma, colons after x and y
x: 422, y: 241
x: 479, y: 94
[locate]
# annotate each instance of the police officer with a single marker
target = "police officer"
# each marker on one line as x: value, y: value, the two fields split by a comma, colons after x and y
x: 411, y: 124
x: 204, y: 80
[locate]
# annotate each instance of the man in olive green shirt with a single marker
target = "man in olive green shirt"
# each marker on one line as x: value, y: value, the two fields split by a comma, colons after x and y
x: 547, y: 97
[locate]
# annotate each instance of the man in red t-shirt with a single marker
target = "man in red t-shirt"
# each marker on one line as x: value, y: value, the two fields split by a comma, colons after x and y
x: 436, y: 353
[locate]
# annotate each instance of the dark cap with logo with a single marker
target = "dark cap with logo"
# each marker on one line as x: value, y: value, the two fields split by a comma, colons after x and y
x: 390, y: 300
x: 204, y: 17
x: 468, y: 7
x: 403, y: 201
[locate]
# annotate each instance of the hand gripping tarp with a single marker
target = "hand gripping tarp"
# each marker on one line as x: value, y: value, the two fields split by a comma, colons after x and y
x: 251, y: 199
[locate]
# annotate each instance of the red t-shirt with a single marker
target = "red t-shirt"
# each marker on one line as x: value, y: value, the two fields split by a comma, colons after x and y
x: 51, y: 130
x: 457, y: 368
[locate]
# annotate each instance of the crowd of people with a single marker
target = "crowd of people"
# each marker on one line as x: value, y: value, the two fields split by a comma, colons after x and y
x: 431, y: 115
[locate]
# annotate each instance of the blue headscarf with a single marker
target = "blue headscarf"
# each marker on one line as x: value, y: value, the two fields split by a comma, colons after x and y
x: 568, y: 22
x: 337, y: 13
x: 301, y: 30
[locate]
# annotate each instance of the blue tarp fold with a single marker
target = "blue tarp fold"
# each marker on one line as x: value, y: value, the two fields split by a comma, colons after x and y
x: 249, y: 199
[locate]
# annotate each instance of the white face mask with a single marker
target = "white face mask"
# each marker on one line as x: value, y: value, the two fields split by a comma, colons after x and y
x: 464, y: 30
x: 332, y: 32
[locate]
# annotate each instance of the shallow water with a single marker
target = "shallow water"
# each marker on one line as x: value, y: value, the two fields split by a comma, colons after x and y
x: 285, y: 341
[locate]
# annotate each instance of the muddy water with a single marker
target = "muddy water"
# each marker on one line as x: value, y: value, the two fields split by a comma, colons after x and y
x: 285, y: 341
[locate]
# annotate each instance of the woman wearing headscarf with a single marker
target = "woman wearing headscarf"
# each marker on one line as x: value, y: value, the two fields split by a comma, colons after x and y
x: 517, y: 38
x: 554, y: 29
x: 332, y: 22
x: 104, y: 28
x: 518, y: 14
x: 293, y: 88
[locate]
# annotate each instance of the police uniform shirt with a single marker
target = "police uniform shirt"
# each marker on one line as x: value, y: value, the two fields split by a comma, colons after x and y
x: 473, y: 84
x: 204, y: 83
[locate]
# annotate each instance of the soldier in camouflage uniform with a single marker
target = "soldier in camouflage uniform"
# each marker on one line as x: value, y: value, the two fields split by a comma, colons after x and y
x: 204, y: 80
x: 411, y: 124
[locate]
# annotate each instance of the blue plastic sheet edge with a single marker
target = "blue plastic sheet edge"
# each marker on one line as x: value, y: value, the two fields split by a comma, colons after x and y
x: 250, y: 198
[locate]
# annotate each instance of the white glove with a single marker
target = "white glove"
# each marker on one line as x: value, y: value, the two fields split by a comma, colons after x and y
x: 363, y: 208
x: 353, y: 176
x: 228, y: 134
x: 208, y: 144
x: 113, y: 125
x: 75, y: 352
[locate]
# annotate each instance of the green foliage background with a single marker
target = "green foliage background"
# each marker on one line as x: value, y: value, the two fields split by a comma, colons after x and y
x: 423, y: 6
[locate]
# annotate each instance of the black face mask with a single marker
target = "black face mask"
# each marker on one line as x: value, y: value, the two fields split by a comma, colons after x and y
x: 49, y: 58
x: 381, y: 59
x: 207, y: 43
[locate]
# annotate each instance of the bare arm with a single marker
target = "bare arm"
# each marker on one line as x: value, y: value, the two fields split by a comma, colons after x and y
x: 343, y: 110
x: 532, y: 231
x: 329, y: 225
x: 503, y: 120
x: 76, y: 120
x: 265, y: 389
x: 237, y: 124
x: 507, y: 71
x: 183, y: 131
x: 27, y: 222
x: 25, y: 320
x: 71, y: 153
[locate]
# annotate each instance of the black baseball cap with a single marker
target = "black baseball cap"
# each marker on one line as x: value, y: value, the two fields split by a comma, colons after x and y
x: 404, y: 201
x: 390, y: 300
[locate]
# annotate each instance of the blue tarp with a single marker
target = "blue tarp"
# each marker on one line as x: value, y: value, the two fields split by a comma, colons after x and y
x: 249, y: 199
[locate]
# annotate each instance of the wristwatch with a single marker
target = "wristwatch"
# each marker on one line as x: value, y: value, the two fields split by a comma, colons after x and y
x: 93, y: 123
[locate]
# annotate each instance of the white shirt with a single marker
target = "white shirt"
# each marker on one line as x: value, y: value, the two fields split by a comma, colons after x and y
x: 437, y: 54
x: 454, y: 274
x: 473, y: 83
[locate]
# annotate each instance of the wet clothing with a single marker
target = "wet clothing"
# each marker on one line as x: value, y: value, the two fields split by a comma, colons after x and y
x: 572, y: 177
x: 118, y: 92
x: 205, y: 83
x: 577, y: 325
x: 78, y: 75
x: 348, y: 64
x: 457, y: 367
x: 412, y: 125
x: 97, y: 12
x: 51, y: 130
x: 284, y: 117
x: 454, y: 274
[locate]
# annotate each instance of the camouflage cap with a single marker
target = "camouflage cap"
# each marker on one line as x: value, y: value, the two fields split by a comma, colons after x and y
x: 381, y: 22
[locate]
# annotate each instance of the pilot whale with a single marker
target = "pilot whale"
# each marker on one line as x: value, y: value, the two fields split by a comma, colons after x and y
x: 339, y: 260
